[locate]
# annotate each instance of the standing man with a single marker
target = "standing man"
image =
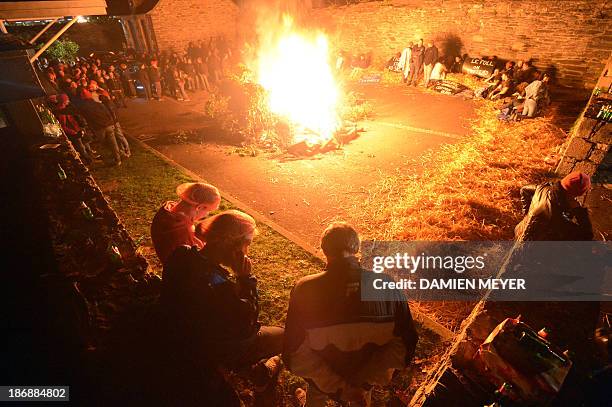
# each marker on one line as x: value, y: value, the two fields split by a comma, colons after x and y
x: 341, y: 345
x: 155, y: 78
x: 127, y: 80
x: 430, y: 57
x: 174, y: 223
x: 416, y: 63
x: 143, y: 78
x: 101, y: 122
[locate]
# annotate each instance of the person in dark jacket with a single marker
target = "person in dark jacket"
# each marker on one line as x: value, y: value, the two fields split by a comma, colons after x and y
x: 338, y: 343
x: 430, y: 57
x: 416, y: 63
x: 101, y: 122
x: 218, y: 313
x: 72, y: 129
x: 552, y: 211
x: 155, y: 78
x: 202, y: 74
x: 143, y: 78
x: 127, y: 81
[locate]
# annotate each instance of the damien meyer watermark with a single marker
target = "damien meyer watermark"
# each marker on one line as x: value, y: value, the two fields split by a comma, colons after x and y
x: 505, y: 271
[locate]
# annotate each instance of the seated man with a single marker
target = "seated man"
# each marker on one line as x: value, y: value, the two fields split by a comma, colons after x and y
x: 536, y: 95
x: 339, y: 344
x: 173, y: 224
x: 215, y: 312
x: 438, y: 73
x: 552, y: 211
x: 503, y: 89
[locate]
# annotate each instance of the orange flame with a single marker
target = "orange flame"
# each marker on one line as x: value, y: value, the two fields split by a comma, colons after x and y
x: 294, y: 69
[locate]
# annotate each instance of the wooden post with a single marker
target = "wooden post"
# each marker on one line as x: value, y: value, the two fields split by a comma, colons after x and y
x: 41, y: 32
x: 53, y: 39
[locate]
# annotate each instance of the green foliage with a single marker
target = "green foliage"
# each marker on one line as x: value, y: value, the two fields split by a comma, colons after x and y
x: 62, y: 50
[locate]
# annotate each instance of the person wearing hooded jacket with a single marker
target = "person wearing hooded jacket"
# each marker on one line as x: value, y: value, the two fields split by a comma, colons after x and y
x: 340, y: 344
x: 553, y: 212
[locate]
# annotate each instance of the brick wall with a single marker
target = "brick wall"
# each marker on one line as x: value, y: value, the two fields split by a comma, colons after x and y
x: 573, y: 38
x: 176, y: 22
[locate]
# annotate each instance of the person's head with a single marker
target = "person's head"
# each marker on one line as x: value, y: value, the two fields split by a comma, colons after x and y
x: 93, y: 86
x: 420, y: 42
x: 154, y: 63
x: 85, y: 94
x: 339, y: 240
x: 504, y: 76
x: 51, y: 74
x: 62, y: 101
x: 199, y: 198
x: 227, y: 235
x: 545, y: 78
x: 123, y: 65
x: 576, y: 184
x: 509, y: 65
x: 199, y: 60
x: 429, y: 44
x: 111, y: 68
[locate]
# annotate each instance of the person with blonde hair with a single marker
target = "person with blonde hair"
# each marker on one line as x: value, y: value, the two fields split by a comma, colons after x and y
x: 174, y: 223
x: 211, y: 298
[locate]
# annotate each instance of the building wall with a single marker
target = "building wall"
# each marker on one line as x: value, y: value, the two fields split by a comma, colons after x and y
x: 572, y: 38
x: 177, y: 22
x: 586, y: 150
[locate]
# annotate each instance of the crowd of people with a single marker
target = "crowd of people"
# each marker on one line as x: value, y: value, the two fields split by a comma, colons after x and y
x: 340, y: 345
x: 85, y: 94
x: 523, y: 89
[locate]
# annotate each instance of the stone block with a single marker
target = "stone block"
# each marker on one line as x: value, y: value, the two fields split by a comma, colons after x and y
x: 565, y: 166
x: 578, y: 148
x: 604, y: 135
x: 597, y: 155
x: 586, y: 167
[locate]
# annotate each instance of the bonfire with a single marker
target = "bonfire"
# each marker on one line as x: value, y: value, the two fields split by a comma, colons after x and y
x: 293, y: 66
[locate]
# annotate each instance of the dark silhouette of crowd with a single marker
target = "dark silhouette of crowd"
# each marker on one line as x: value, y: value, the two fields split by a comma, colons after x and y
x: 85, y: 94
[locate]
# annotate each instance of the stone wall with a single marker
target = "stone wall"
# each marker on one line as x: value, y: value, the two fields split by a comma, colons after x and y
x: 177, y: 22
x: 590, y: 139
x: 571, y: 38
